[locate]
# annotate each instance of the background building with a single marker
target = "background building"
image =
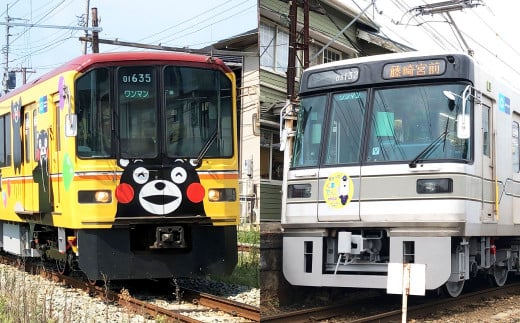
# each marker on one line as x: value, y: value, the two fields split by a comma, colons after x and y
x: 245, y: 64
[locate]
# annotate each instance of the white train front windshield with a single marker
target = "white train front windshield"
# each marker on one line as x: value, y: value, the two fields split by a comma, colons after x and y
x: 395, y: 124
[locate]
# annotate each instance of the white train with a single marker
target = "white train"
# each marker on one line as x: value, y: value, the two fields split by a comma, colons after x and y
x: 402, y: 158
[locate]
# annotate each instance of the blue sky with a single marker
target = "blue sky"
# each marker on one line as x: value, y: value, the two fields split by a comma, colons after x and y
x: 490, y: 29
x: 194, y: 24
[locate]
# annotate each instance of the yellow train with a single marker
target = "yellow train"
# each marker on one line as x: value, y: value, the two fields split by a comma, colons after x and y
x: 123, y: 166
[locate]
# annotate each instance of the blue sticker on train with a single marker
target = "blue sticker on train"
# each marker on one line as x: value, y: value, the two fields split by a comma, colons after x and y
x: 504, y: 103
x: 43, y: 105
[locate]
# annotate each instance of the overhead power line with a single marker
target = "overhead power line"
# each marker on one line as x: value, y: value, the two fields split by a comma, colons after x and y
x: 9, y: 24
x: 21, y: 24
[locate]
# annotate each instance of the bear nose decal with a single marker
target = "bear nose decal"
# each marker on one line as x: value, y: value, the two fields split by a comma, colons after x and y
x: 160, y: 186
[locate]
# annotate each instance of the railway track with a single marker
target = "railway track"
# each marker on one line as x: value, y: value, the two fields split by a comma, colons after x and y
x: 380, y: 309
x: 198, y: 302
x: 247, y: 247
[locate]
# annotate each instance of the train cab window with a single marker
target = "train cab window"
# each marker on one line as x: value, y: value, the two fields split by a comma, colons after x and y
x: 308, y: 133
x: 138, y: 107
x: 93, y: 107
x: 345, y: 128
x: 198, y: 111
x: 416, y: 122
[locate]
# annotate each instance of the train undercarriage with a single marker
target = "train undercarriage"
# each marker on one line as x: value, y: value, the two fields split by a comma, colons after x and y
x: 132, y: 252
x: 360, y: 258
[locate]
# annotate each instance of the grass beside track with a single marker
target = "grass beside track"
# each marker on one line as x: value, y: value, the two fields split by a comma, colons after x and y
x: 247, y: 271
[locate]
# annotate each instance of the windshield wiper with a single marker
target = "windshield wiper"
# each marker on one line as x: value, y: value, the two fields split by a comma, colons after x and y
x: 205, y: 149
x: 428, y: 149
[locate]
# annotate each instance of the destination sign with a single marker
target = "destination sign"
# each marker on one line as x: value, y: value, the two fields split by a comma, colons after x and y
x: 414, y: 69
x: 333, y: 77
x: 136, y: 82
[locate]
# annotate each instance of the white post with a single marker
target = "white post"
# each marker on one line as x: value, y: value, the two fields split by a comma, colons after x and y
x: 406, y: 290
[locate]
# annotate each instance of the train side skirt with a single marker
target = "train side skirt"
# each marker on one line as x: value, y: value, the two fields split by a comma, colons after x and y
x: 303, y: 258
x: 107, y: 254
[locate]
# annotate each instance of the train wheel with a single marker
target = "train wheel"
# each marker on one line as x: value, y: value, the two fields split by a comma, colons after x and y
x: 454, y: 289
x: 499, y: 276
x: 62, y: 266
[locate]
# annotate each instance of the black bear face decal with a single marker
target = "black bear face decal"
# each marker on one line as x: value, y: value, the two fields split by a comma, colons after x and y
x: 159, y: 190
x: 42, y: 146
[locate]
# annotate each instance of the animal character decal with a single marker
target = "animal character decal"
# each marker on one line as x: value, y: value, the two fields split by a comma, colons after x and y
x: 41, y: 172
x: 16, y: 115
x: 158, y: 190
x: 343, y: 190
x: 42, y: 147
x: 338, y: 190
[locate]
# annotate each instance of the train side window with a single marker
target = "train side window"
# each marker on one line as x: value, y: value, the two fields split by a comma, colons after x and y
x: 2, y: 144
x: 5, y: 140
x: 485, y: 130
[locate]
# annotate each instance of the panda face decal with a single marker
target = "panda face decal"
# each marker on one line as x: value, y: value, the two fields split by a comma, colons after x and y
x: 174, y: 190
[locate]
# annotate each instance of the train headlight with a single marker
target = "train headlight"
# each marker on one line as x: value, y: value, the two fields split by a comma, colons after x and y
x: 299, y: 191
x: 222, y: 194
x: 101, y: 196
x: 434, y: 185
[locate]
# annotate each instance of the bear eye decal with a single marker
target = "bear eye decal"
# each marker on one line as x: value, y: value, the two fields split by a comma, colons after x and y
x: 141, y: 175
x: 179, y: 175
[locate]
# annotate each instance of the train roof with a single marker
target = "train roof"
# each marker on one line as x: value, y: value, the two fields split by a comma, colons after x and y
x: 83, y: 62
x: 382, y: 57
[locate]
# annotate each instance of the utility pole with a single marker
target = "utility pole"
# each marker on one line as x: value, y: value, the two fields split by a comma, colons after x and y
x: 85, y: 21
x: 6, y: 52
x: 288, y: 113
x: 291, y: 65
x: 295, y: 45
x: 95, y: 35
x: 24, y: 72
x: 306, y: 37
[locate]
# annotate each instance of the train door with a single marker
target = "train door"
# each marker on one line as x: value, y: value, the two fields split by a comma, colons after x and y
x: 340, y: 170
x: 489, y: 212
x: 30, y: 187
